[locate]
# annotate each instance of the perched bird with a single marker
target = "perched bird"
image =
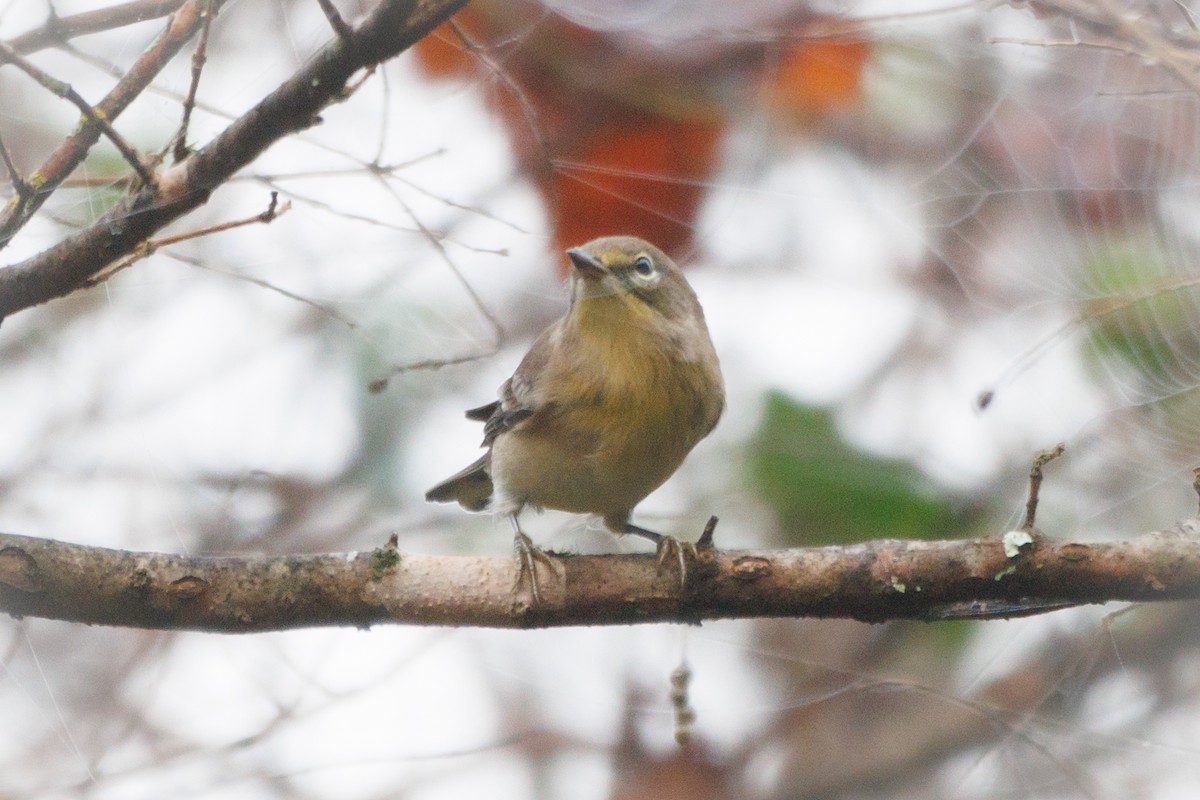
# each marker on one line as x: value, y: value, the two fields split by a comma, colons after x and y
x: 605, y: 405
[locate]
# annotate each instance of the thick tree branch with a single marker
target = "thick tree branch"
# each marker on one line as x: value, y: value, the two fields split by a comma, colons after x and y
x: 873, y: 581
x: 393, y: 26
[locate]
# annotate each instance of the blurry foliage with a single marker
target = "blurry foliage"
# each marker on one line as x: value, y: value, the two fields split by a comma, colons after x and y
x: 1145, y: 317
x: 826, y: 491
x: 620, y: 130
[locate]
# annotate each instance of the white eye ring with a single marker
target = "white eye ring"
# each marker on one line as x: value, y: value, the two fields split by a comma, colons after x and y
x: 644, y: 266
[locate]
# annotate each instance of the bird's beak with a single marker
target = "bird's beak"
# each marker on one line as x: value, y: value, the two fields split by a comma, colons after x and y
x: 586, y: 264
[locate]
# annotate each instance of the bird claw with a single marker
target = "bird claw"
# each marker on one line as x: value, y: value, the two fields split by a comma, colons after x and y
x: 526, y: 555
x: 669, y: 547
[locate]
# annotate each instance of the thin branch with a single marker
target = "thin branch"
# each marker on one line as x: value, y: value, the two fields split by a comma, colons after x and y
x: 529, y: 111
x: 335, y: 19
x: 272, y: 212
x: 20, y: 186
x: 393, y: 26
x: 59, y: 30
x: 1035, y: 482
x: 1188, y: 15
x: 71, y: 153
x: 379, y: 384
x: 436, y: 240
x: 151, y: 246
x: 199, y: 57
x: 67, y: 92
x: 873, y: 582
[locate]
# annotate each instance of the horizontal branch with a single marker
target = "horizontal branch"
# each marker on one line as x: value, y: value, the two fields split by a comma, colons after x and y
x: 294, y: 105
x: 59, y: 30
x: 873, y: 581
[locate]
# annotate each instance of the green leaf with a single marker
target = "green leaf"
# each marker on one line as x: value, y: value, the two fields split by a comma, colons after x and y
x: 827, y: 491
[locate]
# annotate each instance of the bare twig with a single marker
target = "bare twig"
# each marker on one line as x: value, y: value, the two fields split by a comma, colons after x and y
x: 68, y: 155
x: 198, y: 59
x: 1187, y: 15
x: 1148, y: 37
x: 266, y: 217
x: 528, y: 109
x: 322, y: 308
x: 20, y: 186
x: 335, y: 20
x: 379, y: 384
x: 393, y: 26
x: 151, y: 246
x: 436, y: 241
x: 58, y: 30
x: 1035, y: 482
x: 67, y: 92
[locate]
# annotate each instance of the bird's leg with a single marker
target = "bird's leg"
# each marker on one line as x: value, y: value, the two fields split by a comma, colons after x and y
x: 527, y: 555
x: 666, y: 547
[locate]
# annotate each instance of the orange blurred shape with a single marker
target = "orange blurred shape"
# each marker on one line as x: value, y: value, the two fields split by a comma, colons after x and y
x: 820, y: 76
x: 642, y: 174
x: 443, y: 54
x: 618, y: 138
x: 604, y: 156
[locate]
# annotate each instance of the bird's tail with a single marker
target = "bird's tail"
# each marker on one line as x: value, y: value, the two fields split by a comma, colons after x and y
x: 471, y: 488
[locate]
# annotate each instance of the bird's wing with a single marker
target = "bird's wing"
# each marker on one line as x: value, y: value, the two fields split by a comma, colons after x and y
x: 503, y: 415
x: 471, y: 487
x: 483, y: 413
x: 520, y: 397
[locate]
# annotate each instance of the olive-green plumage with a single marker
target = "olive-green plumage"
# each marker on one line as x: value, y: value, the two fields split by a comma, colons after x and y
x: 607, y: 402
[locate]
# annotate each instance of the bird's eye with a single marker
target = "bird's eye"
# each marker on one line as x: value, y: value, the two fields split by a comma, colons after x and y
x: 644, y: 266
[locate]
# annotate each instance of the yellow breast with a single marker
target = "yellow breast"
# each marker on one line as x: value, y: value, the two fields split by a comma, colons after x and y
x: 621, y: 410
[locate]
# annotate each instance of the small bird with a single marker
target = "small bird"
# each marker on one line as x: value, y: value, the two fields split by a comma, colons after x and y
x: 605, y: 405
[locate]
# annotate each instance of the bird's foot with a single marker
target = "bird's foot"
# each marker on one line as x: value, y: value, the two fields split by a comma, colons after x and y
x: 668, y: 549
x: 672, y: 549
x: 527, y: 555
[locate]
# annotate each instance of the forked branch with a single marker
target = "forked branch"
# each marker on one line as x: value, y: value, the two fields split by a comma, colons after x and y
x: 294, y: 105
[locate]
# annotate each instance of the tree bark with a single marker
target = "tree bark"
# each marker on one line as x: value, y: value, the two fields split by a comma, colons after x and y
x: 873, y: 581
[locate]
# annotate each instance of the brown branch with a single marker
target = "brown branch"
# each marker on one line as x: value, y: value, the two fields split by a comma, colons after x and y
x: 71, y: 153
x: 335, y: 19
x: 873, y: 582
x: 58, y: 30
x: 393, y: 26
x: 151, y: 246
x: 20, y: 186
x: 1035, y: 483
x: 67, y: 92
x: 199, y: 57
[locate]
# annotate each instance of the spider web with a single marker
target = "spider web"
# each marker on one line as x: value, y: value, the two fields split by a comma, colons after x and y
x: 1011, y: 210
x: 1059, y: 201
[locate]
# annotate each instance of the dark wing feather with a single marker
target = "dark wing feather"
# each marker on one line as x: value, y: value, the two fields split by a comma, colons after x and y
x: 506, y: 414
x: 471, y: 488
x: 483, y: 413
x: 518, y: 396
